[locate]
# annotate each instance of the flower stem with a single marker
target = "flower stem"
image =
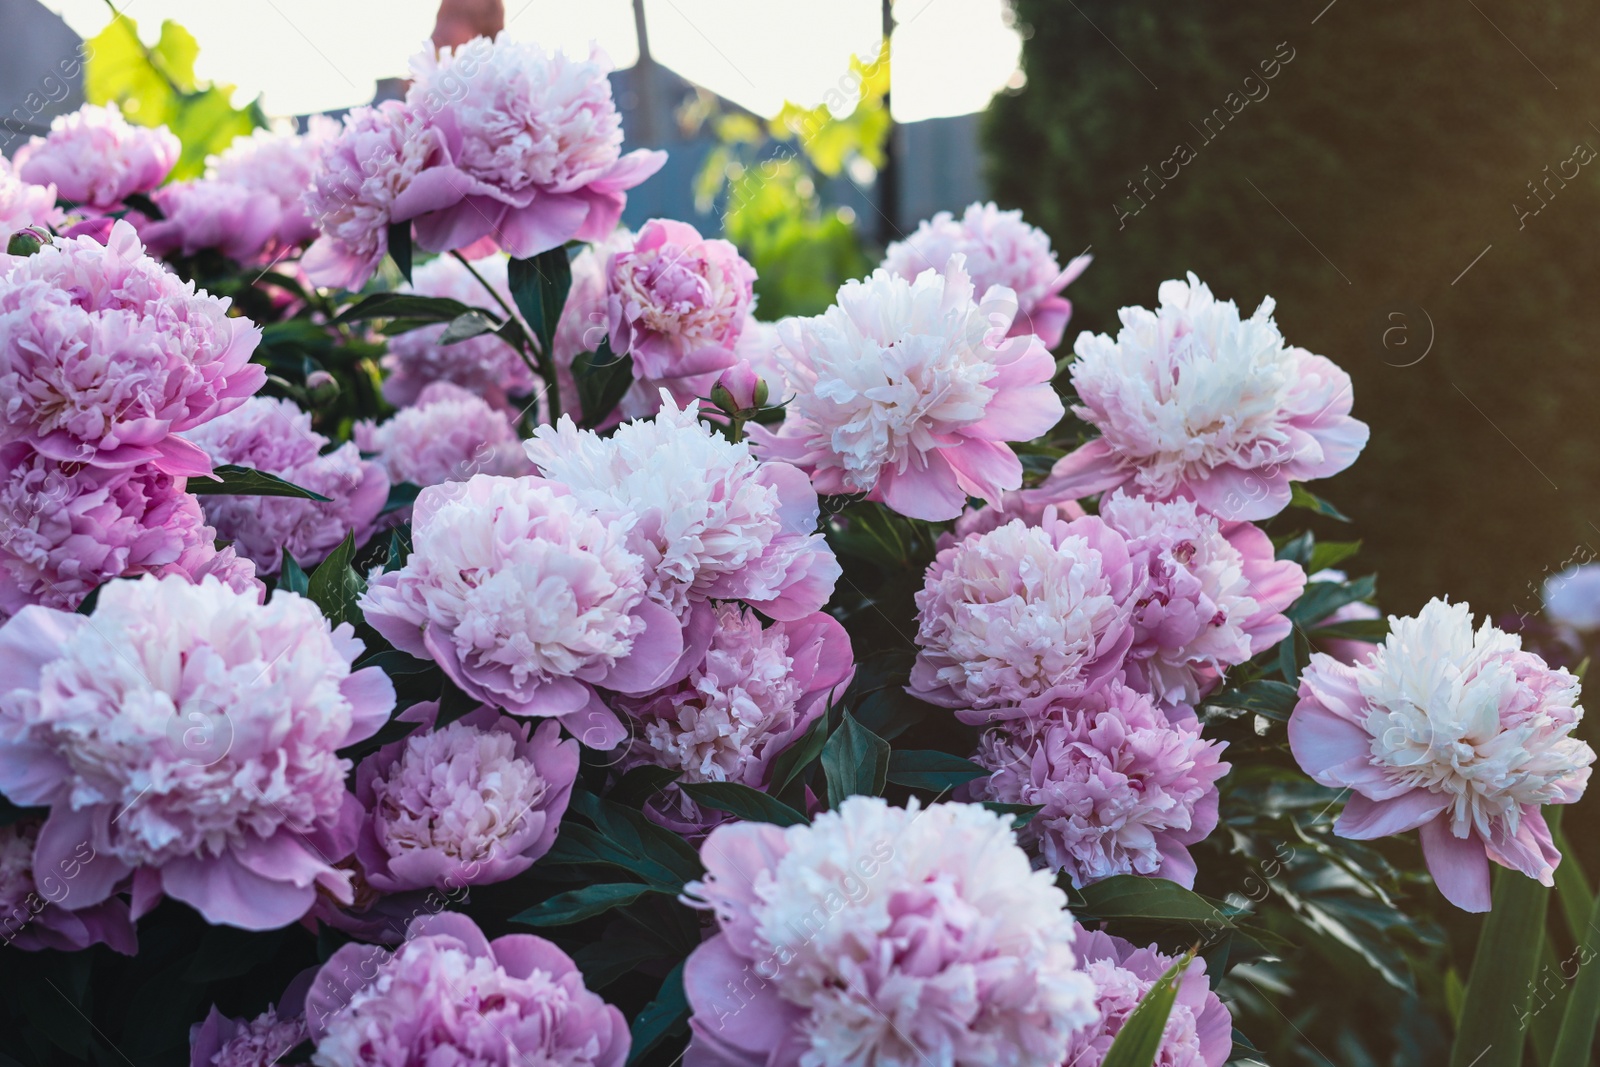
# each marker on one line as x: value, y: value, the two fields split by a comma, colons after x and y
x: 542, y: 364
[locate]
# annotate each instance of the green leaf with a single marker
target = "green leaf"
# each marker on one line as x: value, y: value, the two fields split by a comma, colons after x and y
x: 539, y: 286
x: 425, y: 310
x: 467, y: 325
x: 749, y: 804
x: 1330, y: 554
x: 1151, y: 903
x: 794, y: 759
x: 631, y: 832
x: 1265, y: 696
x: 291, y: 577
x: 1022, y: 813
x: 1139, y: 1040
x: 855, y: 761
x: 1370, y: 630
x: 926, y: 768
x: 1322, y: 599
x: 667, y: 1013
x: 603, y: 962
x: 233, y: 480
x: 401, y: 495
x: 1504, y: 966
x: 87, y: 605
x: 1576, y: 1038
x: 579, y: 904
x: 335, y: 586
x: 1301, y: 497
x: 637, y: 786
x: 400, y: 247
x: 399, y: 548
x: 602, y: 379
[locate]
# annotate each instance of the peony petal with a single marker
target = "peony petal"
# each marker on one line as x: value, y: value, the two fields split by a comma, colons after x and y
x: 1093, y: 468
x: 1364, y: 819
x: 1459, y: 865
x: 226, y: 893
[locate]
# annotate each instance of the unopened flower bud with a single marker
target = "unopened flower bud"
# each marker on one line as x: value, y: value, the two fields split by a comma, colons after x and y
x: 739, y: 389
x: 27, y: 242
x: 322, y: 386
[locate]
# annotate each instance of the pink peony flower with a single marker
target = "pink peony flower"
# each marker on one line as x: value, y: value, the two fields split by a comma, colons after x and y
x: 709, y: 521
x: 529, y: 602
x: 450, y: 996
x: 38, y: 910
x: 1212, y: 595
x: 1022, y: 611
x: 885, y: 936
x: 676, y: 302
x: 23, y: 205
x: 1011, y: 505
x: 1459, y: 733
x: 96, y: 159
x: 276, y: 436
x: 207, y: 213
x: 104, y: 356
x: 1199, y: 1031
x: 1193, y: 401
x: 190, y: 735
x: 260, y: 1042
x: 473, y: 803
x: 1124, y: 785
x: 752, y: 696
x: 66, y: 528
x: 1001, y: 250
x: 279, y: 165
x: 534, y: 149
x: 908, y: 392
x: 484, y: 365
x: 449, y: 436
x: 359, y: 175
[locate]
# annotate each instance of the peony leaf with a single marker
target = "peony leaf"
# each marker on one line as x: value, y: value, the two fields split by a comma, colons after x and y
x: 1022, y: 814
x: 602, y: 380
x: 1301, y: 497
x: 400, y: 247
x: 291, y: 577
x: 401, y: 495
x: 539, y: 286
x: 578, y: 904
x: 466, y: 326
x: 1325, y: 554
x: 1322, y: 599
x: 930, y: 769
x: 1139, y: 1040
x: 335, y: 586
x: 740, y: 800
x: 1265, y: 696
x: 798, y: 756
x: 855, y: 761
x: 1578, y: 1023
x: 667, y: 1014
x: 635, y: 835
x: 424, y: 310
x: 233, y: 480
x: 640, y: 784
x: 1152, y: 903
x: 1494, y: 1012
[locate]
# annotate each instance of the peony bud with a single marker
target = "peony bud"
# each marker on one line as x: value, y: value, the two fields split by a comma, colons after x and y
x: 322, y: 387
x: 739, y: 389
x: 27, y: 242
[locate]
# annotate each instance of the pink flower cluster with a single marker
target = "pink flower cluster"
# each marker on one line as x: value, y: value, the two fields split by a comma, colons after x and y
x: 276, y: 437
x: 279, y: 166
x: 1199, y: 1030
x: 449, y: 436
x: 37, y: 910
x: 95, y: 158
x: 498, y: 144
x: 208, y: 214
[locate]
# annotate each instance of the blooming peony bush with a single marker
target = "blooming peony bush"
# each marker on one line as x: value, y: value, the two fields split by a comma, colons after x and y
x: 399, y: 556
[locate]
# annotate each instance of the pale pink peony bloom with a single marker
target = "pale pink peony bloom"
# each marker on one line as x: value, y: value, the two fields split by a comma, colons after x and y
x: 473, y: 803
x: 1022, y: 611
x: 37, y: 906
x: 1212, y: 594
x: 1461, y: 734
x: 66, y: 528
x: 23, y: 205
x: 533, y: 149
x: 484, y: 365
x: 709, y: 521
x: 105, y: 356
x: 275, y: 436
x: 884, y: 936
x: 359, y: 175
x: 450, y: 996
x: 220, y: 1041
x: 908, y: 392
x: 1199, y: 1030
x: 96, y: 158
x: 191, y: 734
x: 529, y: 602
x: 1015, y: 504
x: 210, y: 214
x: 1002, y: 250
x: 1125, y: 786
x: 449, y: 436
x: 754, y: 694
x: 280, y: 165
x: 677, y: 302
x: 1192, y: 400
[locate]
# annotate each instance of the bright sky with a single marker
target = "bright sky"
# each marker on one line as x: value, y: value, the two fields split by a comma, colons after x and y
x: 949, y: 57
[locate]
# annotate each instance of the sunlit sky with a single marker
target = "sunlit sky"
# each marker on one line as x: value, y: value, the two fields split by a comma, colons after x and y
x: 949, y: 56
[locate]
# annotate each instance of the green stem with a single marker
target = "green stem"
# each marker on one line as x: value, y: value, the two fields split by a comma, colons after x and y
x: 543, y: 365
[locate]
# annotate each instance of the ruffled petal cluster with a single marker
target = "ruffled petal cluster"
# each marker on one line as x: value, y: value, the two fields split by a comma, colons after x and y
x: 1193, y: 400
x: 1022, y: 611
x: 885, y: 936
x: 275, y: 436
x: 264, y: 1041
x: 66, y: 528
x: 484, y: 365
x: 1124, y: 787
x: 473, y: 803
x: 210, y: 214
x: 528, y: 601
x: 449, y: 436
x: 1460, y: 734
x: 1001, y: 250
x: 278, y: 164
x: 1212, y: 594
x: 754, y: 694
x: 37, y: 909
x: 105, y: 356
x: 449, y: 995
x: 1199, y: 1030
x: 908, y: 391
x: 677, y: 302
x: 96, y: 158
x: 707, y: 519
x: 23, y: 204
x: 190, y: 735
